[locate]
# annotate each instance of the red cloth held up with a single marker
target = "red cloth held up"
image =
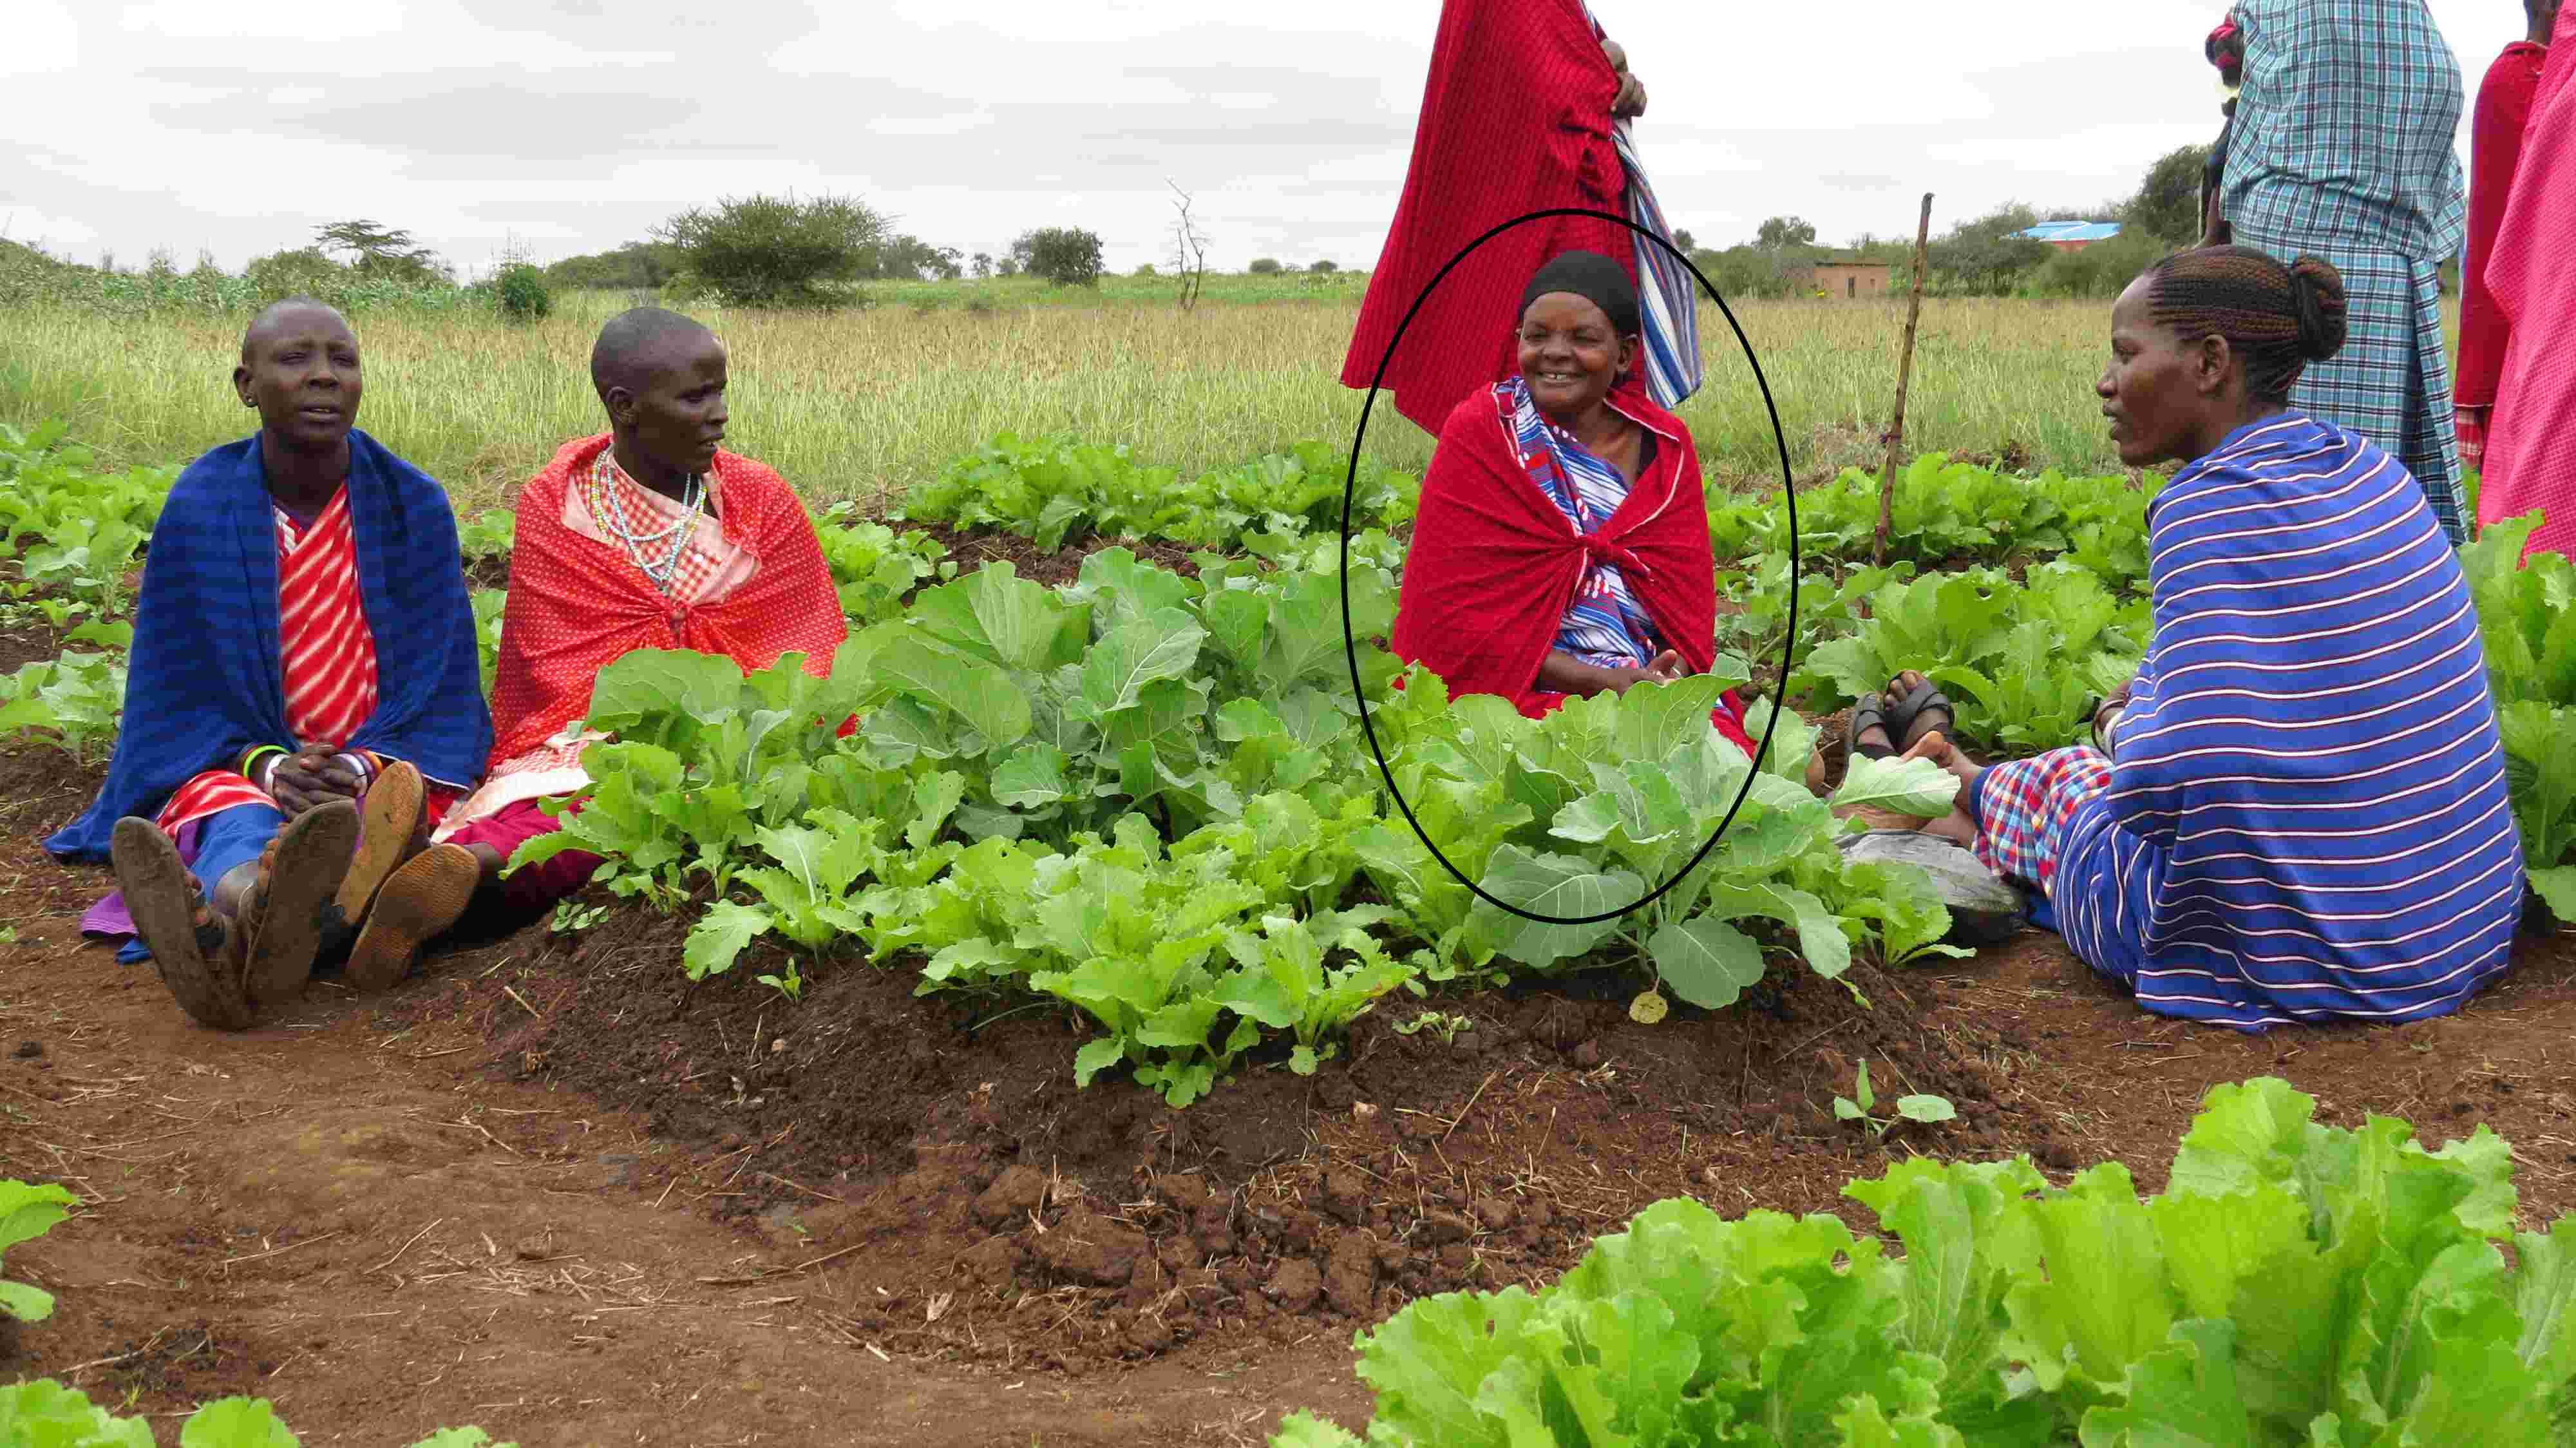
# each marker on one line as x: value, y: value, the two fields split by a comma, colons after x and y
x: 1493, y: 562
x: 1515, y: 118
x: 2531, y: 445
x: 577, y: 605
x: 2495, y: 144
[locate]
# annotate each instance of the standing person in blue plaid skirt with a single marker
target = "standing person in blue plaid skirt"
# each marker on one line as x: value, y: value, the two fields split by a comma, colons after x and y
x: 2341, y: 148
x: 2297, y: 810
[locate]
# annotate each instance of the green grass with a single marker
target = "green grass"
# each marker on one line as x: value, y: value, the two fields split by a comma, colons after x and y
x: 862, y: 404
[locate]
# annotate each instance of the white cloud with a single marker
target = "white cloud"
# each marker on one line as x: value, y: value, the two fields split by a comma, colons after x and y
x: 577, y: 125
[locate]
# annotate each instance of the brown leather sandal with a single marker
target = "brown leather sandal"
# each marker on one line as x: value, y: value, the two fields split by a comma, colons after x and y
x: 200, y: 961
x: 286, y: 912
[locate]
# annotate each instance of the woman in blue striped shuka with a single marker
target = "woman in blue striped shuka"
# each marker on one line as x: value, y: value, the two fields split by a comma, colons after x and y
x: 2297, y: 810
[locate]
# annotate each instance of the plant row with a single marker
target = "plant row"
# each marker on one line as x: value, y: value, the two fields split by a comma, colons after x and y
x: 1152, y: 798
x: 2294, y: 1284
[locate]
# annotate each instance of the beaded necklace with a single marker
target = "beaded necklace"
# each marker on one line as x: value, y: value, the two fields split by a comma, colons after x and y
x: 609, y: 506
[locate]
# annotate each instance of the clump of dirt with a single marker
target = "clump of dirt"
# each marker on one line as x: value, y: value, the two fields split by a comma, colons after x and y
x: 931, y: 1161
x: 492, y: 570
x: 972, y: 549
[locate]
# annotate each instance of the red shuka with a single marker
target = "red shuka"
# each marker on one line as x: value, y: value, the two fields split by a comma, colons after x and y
x: 1515, y: 118
x: 2531, y: 449
x: 1494, y: 561
x: 2495, y: 134
x: 577, y: 605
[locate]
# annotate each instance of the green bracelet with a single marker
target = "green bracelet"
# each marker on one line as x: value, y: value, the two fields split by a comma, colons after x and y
x: 250, y: 760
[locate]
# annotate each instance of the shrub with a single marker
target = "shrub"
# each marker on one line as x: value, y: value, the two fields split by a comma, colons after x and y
x: 1263, y: 266
x: 771, y: 251
x: 981, y: 305
x: 1065, y: 255
x: 1324, y: 267
x: 522, y: 292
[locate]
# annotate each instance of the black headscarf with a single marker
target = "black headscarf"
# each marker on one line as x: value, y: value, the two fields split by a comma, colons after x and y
x: 1593, y: 277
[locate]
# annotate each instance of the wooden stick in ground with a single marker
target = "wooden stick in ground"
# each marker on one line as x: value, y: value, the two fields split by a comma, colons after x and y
x: 1904, y: 375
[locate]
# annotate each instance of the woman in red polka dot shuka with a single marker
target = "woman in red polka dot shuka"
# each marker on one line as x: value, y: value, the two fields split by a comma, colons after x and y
x: 648, y: 536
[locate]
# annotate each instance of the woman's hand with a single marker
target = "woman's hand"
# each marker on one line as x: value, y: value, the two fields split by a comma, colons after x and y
x: 1631, y: 100
x: 1562, y: 673
x: 311, y: 776
x: 2470, y: 423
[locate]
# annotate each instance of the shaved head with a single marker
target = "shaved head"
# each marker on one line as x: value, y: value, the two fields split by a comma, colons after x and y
x: 275, y: 317
x: 637, y: 342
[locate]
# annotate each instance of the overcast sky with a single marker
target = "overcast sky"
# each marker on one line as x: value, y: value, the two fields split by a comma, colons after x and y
x: 576, y: 125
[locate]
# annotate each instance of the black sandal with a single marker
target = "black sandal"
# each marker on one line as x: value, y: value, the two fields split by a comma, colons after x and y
x: 1905, y: 714
x: 1870, y: 713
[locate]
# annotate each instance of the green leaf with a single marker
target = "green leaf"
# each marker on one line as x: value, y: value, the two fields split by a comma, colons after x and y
x: 1160, y: 645
x: 30, y: 1209
x: 26, y: 1303
x: 235, y: 1423
x: 1706, y: 962
x: 678, y: 683
x: 1033, y: 775
x: 976, y: 691
x: 1097, y: 1056
x: 1917, y: 788
x: 45, y: 1414
x: 2182, y: 1396
x: 1927, y: 1109
x: 1305, y: 1430
x: 1550, y: 885
x: 720, y: 937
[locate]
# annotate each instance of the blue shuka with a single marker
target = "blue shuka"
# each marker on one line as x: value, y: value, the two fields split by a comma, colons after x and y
x: 2306, y: 814
x: 206, y: 681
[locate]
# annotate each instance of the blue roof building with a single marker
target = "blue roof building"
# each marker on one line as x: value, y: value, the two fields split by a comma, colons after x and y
x: 2070, y: 235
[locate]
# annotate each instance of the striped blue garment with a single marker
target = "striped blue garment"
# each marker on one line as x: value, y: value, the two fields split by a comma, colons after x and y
x: 1667, y: 297
x: 1603, y: 624
x: 2307, y: 813
x: 1668, y: 302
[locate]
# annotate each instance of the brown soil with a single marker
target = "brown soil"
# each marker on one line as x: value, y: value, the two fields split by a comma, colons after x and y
x: 972, y: 549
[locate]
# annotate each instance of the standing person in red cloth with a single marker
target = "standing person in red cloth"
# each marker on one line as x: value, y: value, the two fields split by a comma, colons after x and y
x: 1562, y: 546
x: 2531, y: 273
x: 1526, y: 109
x: 649, y: 536
x: 2495, y: 131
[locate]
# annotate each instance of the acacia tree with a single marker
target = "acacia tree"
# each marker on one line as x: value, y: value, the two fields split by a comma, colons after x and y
x: 1781, y: 232
x: 2167, y: 205
x: 1065, y: 255
x: 983, y: 265
x: 379, y: 251
x: 776, y: 251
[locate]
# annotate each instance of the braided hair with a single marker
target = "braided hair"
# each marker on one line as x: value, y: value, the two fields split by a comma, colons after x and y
x: 2276, y: 319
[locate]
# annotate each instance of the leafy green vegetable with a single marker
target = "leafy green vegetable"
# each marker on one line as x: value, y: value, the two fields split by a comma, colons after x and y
x: 27, y: 1211
x: 2296, y: 1284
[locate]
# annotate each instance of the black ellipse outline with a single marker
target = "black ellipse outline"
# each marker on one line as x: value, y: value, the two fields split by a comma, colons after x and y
x: 1350, y: 645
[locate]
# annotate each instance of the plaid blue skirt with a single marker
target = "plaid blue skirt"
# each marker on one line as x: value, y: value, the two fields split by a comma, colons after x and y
x: 2392, y: 381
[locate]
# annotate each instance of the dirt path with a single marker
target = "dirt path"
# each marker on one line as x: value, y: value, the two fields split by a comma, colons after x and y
x: 547, y: 1190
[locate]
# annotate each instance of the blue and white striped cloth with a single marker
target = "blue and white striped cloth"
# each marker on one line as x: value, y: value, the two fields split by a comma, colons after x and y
x: 1604, y: 625
x: 1667, y: 297
x: 1668, y: 300
x: 2307, y: 814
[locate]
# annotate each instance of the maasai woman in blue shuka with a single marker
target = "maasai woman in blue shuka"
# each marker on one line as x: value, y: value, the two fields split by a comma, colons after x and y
x: 2302, y: 811
x: 303, y: 640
